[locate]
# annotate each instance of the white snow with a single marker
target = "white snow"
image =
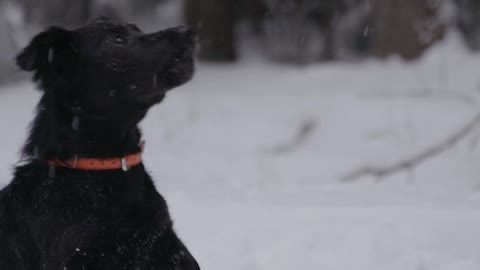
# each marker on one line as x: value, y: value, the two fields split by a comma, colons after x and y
x: 240, y: 204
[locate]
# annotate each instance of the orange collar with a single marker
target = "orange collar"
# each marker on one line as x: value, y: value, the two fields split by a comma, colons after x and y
x: 93, y: 164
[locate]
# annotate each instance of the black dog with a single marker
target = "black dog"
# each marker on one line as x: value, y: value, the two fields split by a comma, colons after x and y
x: 98, y: 82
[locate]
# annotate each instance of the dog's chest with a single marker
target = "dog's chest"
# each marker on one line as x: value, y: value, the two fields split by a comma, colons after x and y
x: 66, y: 209
x: 89, y: 218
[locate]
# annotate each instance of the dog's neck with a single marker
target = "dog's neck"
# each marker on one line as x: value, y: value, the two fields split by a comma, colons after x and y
x: 60, y: 133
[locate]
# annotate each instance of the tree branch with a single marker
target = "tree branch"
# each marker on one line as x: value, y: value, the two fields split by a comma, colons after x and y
x: 414, y: 161
x: 303, y: 133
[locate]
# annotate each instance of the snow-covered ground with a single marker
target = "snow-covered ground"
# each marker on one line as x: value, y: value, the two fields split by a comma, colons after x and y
x: 251, y: 156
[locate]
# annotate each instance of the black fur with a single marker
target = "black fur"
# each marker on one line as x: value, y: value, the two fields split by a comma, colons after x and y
x: 98, y: 82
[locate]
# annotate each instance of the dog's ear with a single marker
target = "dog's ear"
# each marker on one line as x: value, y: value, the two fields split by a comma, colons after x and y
x: 44, y: 47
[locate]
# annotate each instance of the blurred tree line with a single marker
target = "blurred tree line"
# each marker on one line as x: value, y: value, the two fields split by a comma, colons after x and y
x: 301, y: 31
x: 293, y: 31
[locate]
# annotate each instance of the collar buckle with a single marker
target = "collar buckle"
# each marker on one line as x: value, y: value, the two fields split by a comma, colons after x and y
x: 125, y: 166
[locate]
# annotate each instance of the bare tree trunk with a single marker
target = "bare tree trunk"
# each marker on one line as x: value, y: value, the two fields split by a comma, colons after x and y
x: 255, y: 12
x: 469, y: 21
x: 214, y: 22
x: 405, y: 27
x: 87, y: 11
x: 139, y: 6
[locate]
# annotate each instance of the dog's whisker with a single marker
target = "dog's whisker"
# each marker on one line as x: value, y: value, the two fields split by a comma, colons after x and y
x: 36, y: 153
x: 50, y: 55
x: 76, y: 123
x: 51, y: 171
x: 155, y: 80
x: 75, y: 161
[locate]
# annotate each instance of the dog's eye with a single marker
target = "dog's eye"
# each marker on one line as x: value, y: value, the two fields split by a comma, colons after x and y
x: 120, y: 40
x: 133, y: 27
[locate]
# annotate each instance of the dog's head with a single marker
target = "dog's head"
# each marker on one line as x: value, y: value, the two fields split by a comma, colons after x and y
x: 110, y: 68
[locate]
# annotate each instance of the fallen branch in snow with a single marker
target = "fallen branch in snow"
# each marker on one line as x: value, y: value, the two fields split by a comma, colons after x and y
x: 302, y: 135
x: 423, y: 94
x: 414, y: 161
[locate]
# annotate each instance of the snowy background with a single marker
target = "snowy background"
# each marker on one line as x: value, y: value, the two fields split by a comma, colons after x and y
x: 257, y: 161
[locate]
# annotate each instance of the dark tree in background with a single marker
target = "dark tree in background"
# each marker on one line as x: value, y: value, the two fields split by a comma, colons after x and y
x: 140, y: 6
x: 469, y: 21
x: 214, y: 22
x: 254, y: 13
x: 405, y: 27
x: 300, y: 31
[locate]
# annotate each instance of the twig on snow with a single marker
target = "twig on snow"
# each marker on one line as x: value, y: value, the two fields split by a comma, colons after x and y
x: 302, y: 135
x: 410, y: 163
